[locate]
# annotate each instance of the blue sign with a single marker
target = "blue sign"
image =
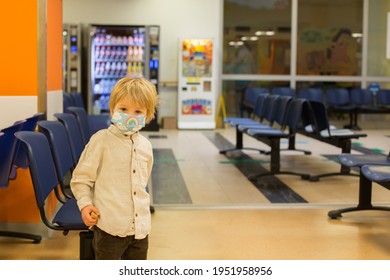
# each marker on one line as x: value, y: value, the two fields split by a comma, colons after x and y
x: 374, y: 88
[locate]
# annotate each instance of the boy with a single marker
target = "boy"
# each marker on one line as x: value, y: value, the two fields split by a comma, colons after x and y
x: 110, y: 179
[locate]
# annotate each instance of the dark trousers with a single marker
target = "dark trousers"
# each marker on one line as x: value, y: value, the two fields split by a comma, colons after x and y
x: 109, y: 247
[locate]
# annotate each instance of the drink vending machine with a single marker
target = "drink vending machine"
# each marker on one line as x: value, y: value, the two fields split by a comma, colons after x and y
x: 119, y: 51
x: 197, y: 84
x: 72, y: 57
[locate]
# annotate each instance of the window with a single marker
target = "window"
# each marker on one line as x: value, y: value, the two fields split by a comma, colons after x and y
x: 257, y: 37
x: 329, y: 40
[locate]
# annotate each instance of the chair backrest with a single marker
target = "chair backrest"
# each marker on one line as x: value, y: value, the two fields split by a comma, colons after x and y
x: 67, y: 101
x: 45, y: 181
x: 42, y: 169
x: 29, y: 124
x: 259, y: 107
x: 338, y: 96
x: 82, y: 120
x: 8, y: 144
x: 252, y: 93
x: 269, y: 105
x: 315, y: 94
x: 383, y: 97
x: 56, y: 134
x: 294, y: 114
x: 361, y: 96
x: 280, y: 109
x: 73, y: 132
x: 77, y: 99
x: 283, y: 91
x: 319, y: 115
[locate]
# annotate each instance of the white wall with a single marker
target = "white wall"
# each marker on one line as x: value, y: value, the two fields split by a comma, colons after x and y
x: 176, y: 18
x: 15, y: 108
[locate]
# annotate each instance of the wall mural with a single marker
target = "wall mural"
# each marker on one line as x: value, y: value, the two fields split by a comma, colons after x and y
x: 327, y: 52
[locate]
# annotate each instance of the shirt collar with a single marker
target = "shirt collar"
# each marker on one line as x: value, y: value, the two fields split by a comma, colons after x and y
x: 116, y: 131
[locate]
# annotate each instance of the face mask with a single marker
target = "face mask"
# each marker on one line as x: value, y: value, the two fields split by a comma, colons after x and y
x: 128, y: 123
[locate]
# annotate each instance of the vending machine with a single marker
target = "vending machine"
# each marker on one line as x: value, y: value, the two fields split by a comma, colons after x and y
x: 119, y: 51
x: 72, y: 44
x: 196, y: 84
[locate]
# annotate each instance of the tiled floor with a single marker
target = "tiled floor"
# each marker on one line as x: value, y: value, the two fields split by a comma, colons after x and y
x: 207, y: 209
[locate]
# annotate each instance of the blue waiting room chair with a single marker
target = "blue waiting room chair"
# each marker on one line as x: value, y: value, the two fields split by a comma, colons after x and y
x: 73, y: 132
x: 379, y: 174
x: 8, y: 144
x: 56, y: 134
x: 67, y: 216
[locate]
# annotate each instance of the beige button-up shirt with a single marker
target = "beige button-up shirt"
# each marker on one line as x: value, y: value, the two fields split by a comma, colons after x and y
x: 112, y: 174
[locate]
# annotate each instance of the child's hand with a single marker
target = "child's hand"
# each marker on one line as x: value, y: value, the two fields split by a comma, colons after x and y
x: 90, y: 215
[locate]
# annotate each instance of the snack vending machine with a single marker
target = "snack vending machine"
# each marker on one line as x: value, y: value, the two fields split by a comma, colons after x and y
x: 71, y: 57
x: 119, y: 51
x: 196, y: 84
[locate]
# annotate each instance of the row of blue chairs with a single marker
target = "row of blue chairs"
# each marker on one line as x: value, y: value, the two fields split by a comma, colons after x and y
x: 371, y: 168
x: 53, y: 152
x: 274, y: 118
x: 272, y: 114
x: 50, y: 149
x: 298, y: 115
x: 334, y: 96
x: 269, y: 110
x: 353, y: 101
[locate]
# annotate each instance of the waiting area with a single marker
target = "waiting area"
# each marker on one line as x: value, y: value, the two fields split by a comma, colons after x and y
x: 206, y: 207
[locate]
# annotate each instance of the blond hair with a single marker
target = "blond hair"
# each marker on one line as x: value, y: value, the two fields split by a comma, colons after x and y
x: 140, y: 90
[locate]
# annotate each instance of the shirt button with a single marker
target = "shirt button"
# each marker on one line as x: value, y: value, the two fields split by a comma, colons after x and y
x: 134, y: 150
x: 134, y: 171
x: 136, y: 214
x: 135, y: 193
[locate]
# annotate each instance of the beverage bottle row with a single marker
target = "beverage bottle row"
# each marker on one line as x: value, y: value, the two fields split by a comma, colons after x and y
x: 102, y: 102
x: 135, y: 69
x: 108, y: 39
x: 130, y: 53
x: 104, y: 86
x: 108, y: 68
x: 118, y: 68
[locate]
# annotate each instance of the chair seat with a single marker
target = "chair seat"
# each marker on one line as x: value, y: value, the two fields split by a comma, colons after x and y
x: 336, y: 132
x: 243, y: 127
x: 343, y: 107
x: 267, y: 133
x: 230, y: 119
x: 377, y: 173
x: 242, y: 121
x: 352, y: 160
x: 69, y: 216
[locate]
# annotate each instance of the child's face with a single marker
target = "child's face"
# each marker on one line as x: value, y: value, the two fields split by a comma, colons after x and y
x: 128, y: 106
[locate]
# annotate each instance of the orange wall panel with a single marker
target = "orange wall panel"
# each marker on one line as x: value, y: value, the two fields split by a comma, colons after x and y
x: 18, y: 202
x: 54, y: 45
x: 18, y: 48
x: 19, y: 77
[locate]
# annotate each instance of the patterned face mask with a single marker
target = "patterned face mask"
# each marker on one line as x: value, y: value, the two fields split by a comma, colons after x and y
x: 128, y: 123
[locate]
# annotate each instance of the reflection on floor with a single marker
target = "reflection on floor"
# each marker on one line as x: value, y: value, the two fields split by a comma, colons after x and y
x: 206, y: 208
